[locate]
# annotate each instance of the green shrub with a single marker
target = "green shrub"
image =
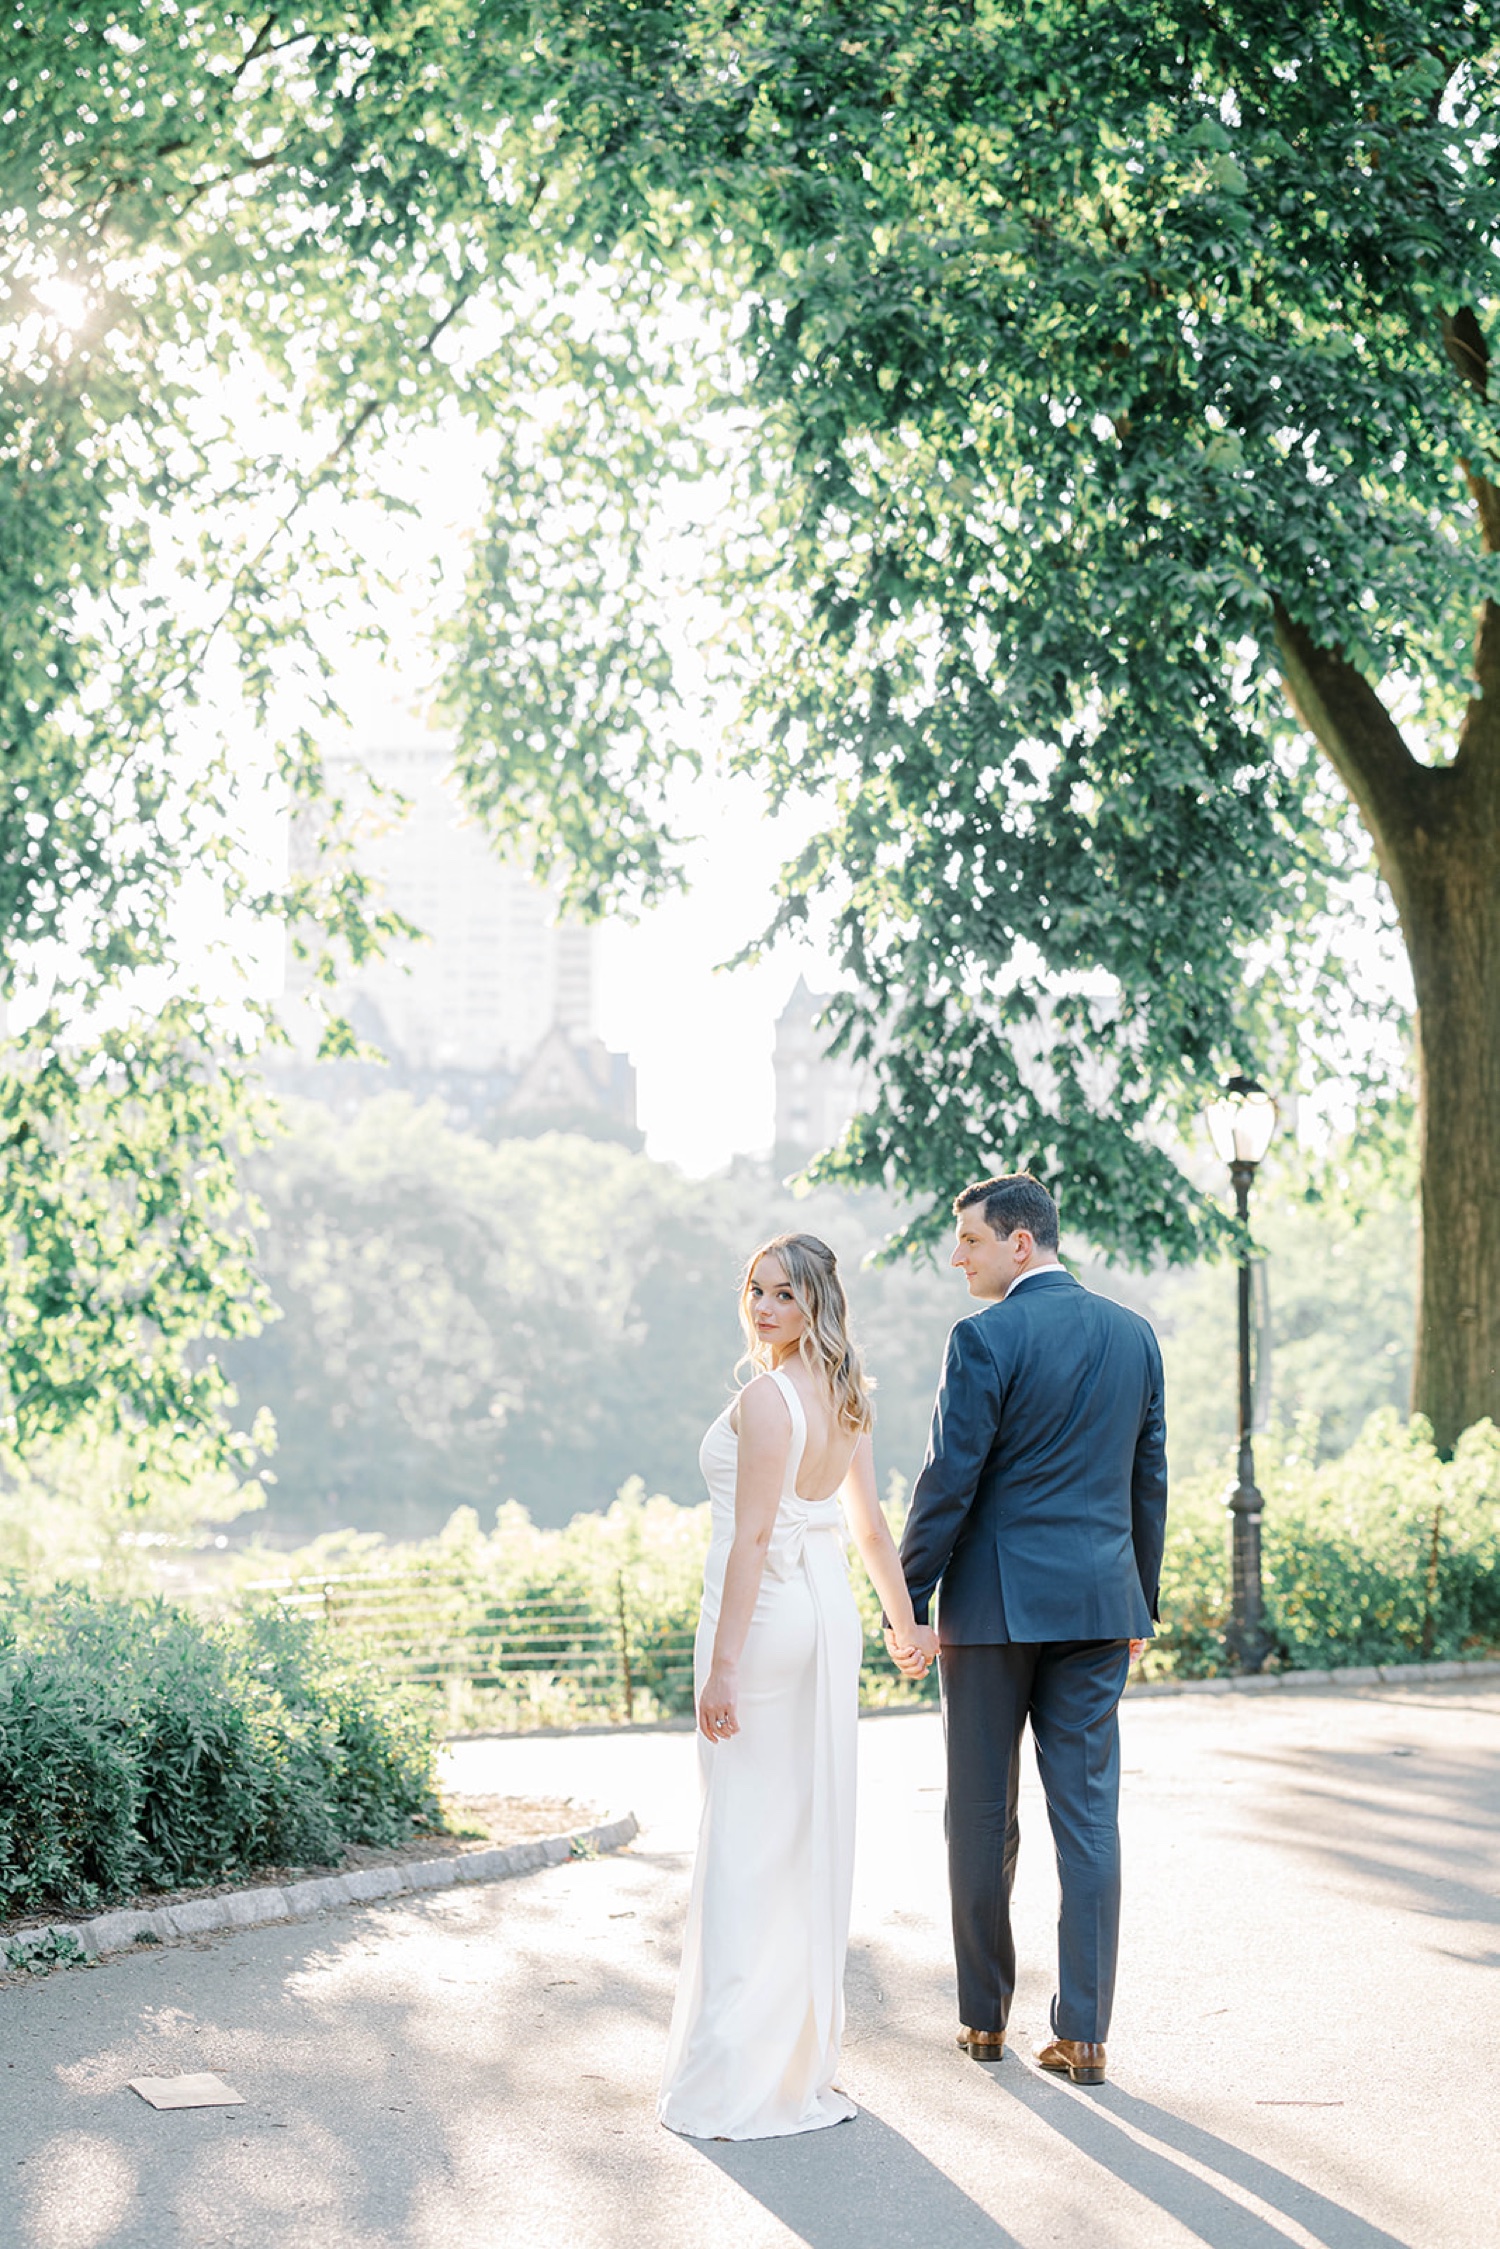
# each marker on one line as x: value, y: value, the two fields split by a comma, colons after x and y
x: 143, y: 1748
x: 555, y: 1596
x: 522, y: 1626
x: 1386, y: 1555
x: 1194, y: 1602
x: 381, y: 1748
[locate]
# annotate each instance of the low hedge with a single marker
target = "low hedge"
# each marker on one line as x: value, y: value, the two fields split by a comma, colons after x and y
x: 1388, y: 1554
x: 142, y: 1748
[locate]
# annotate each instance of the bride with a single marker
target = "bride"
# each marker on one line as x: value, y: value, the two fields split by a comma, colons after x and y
x: 759, y: 2015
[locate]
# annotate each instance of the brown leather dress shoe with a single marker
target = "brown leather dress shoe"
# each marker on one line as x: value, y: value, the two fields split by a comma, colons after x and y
x: 1080, y: 2057
x: 984, y: 2045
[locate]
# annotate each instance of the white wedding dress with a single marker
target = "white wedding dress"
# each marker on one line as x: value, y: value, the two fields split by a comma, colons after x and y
x: 759, y: 2017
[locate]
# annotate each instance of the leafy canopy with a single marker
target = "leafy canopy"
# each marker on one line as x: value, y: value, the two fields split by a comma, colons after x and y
x: 1042, y: 358
x: 1079, y: 345
x: 230, y: 253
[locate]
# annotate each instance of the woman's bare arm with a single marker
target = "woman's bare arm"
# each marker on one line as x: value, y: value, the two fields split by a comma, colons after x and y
x: 765, y: 1439
x: 871, y: 1534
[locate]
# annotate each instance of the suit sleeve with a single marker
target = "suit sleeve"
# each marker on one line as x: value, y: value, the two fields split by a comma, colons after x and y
x: 1148, y: 1487
x: 965, y: 1420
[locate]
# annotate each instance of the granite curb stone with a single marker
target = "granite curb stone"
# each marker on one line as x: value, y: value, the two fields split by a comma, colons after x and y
x: 297, y: 1901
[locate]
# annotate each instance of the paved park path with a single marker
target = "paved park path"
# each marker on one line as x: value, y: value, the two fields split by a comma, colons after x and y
x: 1306, y: 2046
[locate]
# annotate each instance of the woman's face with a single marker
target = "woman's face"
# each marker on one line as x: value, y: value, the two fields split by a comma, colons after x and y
x: 773, y: 1311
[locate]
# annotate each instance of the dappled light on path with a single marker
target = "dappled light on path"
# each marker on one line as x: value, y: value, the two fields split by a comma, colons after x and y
x: 1419, y: 1824
x: 1311, y: 1893
x: 74, y: 2191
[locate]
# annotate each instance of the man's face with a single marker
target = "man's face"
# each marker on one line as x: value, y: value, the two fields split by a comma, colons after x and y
x: 988, y: 1262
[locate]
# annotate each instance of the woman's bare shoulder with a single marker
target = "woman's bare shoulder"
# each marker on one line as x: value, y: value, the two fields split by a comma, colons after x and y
x: 761, y: 1408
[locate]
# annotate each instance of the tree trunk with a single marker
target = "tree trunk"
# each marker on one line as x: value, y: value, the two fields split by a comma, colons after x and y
x: 1436, y: 831
x: 1451, y: 919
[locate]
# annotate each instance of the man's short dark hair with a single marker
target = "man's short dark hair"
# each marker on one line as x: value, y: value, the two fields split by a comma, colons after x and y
x: 1016, y: 1200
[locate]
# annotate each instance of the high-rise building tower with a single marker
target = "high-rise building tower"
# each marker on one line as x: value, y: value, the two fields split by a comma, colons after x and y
x: 495, y: 970
x: 816, y: 1092
x: 496, y: 977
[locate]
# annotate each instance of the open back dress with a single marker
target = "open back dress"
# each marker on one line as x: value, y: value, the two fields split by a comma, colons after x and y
x: 759, y: 2015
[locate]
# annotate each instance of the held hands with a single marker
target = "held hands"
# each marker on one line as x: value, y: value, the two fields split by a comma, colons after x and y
x: 716, y: 1710
x: 915, y: 1657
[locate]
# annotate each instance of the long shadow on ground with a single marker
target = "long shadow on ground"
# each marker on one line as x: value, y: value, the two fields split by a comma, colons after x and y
x: 1104, y: 2124
x: 856, y: 2184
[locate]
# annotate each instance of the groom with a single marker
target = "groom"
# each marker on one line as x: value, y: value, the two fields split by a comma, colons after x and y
x: 1040, y: 1514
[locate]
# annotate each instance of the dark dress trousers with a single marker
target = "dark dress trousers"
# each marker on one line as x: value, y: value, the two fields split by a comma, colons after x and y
x: 1038, y: 1519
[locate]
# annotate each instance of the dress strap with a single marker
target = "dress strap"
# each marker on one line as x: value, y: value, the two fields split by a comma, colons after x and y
x: 788, y: 1389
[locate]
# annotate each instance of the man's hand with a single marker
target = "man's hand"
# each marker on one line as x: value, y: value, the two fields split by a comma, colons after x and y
x: 1138, y: 1649
x: 915, y: 1659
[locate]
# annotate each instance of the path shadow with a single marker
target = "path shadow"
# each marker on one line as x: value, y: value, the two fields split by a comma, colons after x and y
x: 1095, y: 2123
x: 1420, y: 1822
x: 855, y: 2184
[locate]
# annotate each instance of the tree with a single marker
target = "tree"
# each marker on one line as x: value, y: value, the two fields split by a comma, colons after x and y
x: 538, y: 1320
x: 466, y: 1324
x: 1106, y: 384
x: 238, y: 254
x: 1333, y: 1323
x: 1120, y: 384
x: 227, y: 256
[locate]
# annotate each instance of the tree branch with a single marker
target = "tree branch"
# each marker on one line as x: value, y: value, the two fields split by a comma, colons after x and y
x: 254, y: 51
x: 1478, y: 752
x: 1363, y: 744
x: 461, y: 297
x: 311, y: 483
x: 1479, y: 736
x: 234, y: 172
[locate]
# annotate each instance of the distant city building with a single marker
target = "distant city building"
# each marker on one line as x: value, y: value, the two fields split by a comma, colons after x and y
x: 816, y: 1093
x: 496, y: 970
x: 570, y: 1073
x: 495, y: 1002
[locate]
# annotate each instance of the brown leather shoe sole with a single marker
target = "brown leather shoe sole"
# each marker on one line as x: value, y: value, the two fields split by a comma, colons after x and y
x: 983, y: 2045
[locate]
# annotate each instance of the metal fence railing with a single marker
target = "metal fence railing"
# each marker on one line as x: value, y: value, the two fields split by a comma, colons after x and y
x: 602, y: 1656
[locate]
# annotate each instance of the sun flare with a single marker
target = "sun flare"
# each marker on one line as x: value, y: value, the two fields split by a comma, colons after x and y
x: 67, y: 303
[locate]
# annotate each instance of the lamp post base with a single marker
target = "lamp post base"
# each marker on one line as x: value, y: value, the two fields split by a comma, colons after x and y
x: 1247, y: 1640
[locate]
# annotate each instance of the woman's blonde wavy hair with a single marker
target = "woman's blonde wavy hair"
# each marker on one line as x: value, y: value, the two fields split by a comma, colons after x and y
x: 827, y: 1349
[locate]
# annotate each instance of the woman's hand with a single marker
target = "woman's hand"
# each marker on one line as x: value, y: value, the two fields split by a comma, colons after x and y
x: 716, y: 1708
x: 914, y: 1656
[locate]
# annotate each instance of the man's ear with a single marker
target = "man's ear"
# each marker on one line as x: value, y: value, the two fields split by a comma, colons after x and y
x: 1022, y: 1241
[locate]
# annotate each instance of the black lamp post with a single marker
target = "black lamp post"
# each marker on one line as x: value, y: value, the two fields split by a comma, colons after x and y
x: 1240, y: 1124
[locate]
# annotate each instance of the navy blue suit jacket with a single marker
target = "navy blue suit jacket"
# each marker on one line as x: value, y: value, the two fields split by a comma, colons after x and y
x: 1042, y: 1505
